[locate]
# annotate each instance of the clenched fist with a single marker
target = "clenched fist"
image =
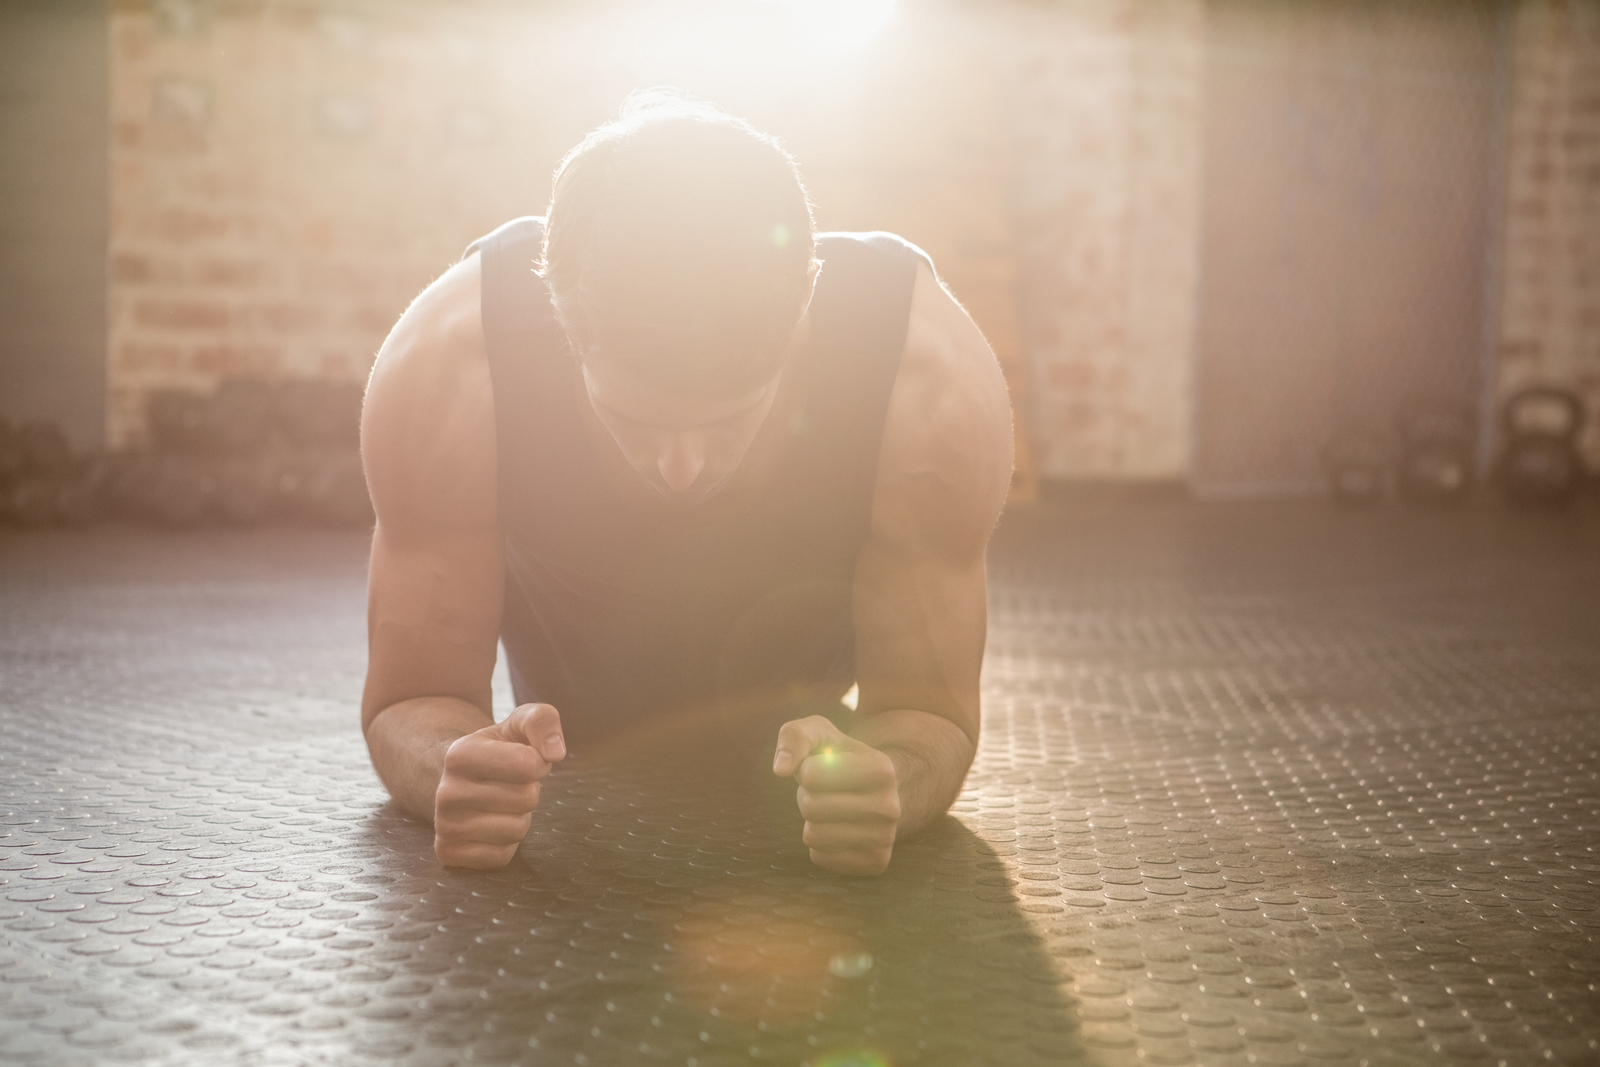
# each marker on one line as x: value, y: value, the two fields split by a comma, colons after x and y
x: 848, y: 795
x: 490, y: 787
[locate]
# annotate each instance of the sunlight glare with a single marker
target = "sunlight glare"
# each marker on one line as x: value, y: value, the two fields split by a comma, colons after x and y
x: 835, y: 25
x: 751, y: 37
x: 852, y: 1058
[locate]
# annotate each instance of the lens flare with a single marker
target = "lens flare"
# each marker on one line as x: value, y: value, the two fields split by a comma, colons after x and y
x: 740, y: 964
x: 850, y: 964
x: 852, y: 1058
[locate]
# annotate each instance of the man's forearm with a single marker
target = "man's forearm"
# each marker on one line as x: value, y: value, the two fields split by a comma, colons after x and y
x: 931, y: 756
x: 407, y: 743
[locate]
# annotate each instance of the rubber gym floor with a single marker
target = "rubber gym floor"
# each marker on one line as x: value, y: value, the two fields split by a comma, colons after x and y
x: 1268, y: 783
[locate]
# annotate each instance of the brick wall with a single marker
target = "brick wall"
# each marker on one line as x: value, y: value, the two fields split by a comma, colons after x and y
x: 1107, y: 107
x: 1550, y: 310
x: 288, y: 174
x: 285, y: 179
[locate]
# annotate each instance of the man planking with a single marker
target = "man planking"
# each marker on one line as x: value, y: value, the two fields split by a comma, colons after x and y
x: 696, y: 467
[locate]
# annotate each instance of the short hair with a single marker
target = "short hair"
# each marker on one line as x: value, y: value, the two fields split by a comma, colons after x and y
x: 678, y: 244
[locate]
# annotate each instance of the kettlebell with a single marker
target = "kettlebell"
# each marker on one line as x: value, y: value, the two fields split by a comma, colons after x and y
x: 1540, y: 463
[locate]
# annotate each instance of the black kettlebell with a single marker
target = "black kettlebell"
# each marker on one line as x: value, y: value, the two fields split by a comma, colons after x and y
x: 1436, y: 455
x: 1540, y: 463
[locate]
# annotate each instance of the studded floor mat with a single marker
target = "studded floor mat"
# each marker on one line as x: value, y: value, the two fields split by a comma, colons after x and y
x: 1259, y: 784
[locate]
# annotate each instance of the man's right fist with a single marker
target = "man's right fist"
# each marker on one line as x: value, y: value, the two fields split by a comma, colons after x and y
x: 490, y: 787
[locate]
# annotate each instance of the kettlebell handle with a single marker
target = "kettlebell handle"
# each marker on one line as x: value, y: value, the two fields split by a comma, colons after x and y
x: 1517, y: 402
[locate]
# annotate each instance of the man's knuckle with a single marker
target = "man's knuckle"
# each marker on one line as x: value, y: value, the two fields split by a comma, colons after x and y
x: 449, y: 801
x: 873, y: 861
x: 517, y: 800
x: 505, y: 830
x: 477, y: 857
x: 856, y: 862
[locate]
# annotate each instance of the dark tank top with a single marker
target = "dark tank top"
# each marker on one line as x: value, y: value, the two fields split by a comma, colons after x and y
x: 622, y: 616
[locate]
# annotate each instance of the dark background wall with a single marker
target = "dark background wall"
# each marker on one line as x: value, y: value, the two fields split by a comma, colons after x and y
x: 54, y: 213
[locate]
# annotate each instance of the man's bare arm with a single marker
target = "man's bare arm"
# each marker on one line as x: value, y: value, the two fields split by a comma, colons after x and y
x: 921, y: 600
x: 436, y: 585
x: 921, y: 611
x: 434, y: 592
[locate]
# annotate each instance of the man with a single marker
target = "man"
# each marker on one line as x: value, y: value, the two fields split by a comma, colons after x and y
x: 692, y: 464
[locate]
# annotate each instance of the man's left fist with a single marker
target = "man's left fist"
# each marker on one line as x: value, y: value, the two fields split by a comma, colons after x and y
x: 848, y: 795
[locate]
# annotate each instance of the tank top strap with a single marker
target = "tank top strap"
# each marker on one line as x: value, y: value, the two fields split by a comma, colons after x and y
x: 859, y: 316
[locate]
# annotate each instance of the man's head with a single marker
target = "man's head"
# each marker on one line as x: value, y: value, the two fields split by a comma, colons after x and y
x: 679, y: 253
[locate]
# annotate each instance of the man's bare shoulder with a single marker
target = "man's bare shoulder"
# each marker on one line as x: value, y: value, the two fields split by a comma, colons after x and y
x: 945, y: 464
x: 428, y: 428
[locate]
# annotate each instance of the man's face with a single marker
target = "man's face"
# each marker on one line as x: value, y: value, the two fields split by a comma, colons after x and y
x: 687, y: 447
